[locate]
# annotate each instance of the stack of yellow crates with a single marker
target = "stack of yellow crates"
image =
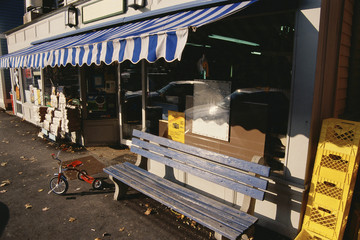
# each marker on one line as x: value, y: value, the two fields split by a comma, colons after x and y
x: 333, y: 181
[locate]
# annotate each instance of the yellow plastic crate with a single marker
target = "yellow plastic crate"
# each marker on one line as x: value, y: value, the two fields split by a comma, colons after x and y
x: 333, y: 165
x: 322, y: 221
x: 307, y: 235
x: 340, y: 136
x: 329, y: 192
x: 333, y: 180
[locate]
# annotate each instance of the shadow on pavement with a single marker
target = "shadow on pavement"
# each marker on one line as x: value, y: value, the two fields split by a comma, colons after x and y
x: 4, y: 217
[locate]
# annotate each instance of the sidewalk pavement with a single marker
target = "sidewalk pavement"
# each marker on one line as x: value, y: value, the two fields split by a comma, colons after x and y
x: 27, y: 211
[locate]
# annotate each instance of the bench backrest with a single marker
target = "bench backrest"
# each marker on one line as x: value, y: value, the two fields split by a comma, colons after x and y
x: 230, y: 172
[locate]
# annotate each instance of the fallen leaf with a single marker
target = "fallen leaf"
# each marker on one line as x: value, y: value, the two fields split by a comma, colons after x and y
x: 93, y: 229
x: 3, y: 164
x: 5, y: 183
x: 40, y: 190
x: 98, y: 239
x: 193, y: 224
x: 20, y: 173
x: 121, y: 229
x: 45, y: 209
x: 148, y: 211
x: 3, y: 191
x: 28, y: 206
x: 105, y: 234
x: 71, y: 219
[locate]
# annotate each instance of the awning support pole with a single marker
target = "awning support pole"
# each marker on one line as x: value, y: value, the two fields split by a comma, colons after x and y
x: 119, y: 100
x: 144, y: 93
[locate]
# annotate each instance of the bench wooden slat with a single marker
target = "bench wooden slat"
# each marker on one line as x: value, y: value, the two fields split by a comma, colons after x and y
x: 255, y: 193
x: 177, y: 206
x: 203, y: 164
x: 230, y: 161
x: 161, y: 185
x: 180, y: 192
x: 235, y: 174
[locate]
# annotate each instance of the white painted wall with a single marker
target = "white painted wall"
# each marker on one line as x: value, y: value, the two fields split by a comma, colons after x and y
x: 55, y: 24
x: 304, y: 66
x: 2, y: 90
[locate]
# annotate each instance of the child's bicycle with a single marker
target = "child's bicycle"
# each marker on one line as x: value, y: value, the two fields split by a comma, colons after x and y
x: 59, y: 184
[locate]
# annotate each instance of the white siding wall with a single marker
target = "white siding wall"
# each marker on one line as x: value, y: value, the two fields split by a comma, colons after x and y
x: 55, y: 25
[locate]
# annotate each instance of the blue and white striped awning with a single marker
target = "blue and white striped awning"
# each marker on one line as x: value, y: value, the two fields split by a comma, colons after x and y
x: 162, y: 37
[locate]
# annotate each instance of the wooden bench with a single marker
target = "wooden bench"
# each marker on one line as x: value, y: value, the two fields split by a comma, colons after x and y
x: 238, y: 175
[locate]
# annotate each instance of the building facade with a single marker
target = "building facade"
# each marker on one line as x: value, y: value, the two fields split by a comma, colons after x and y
x: 11, y: 16
x: 250, y: 78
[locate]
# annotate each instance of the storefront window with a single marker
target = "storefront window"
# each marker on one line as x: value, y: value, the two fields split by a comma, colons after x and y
x: 61, y: 80
x: 234, y: 94
x: 101, y: 91
x: 131, y: 98
x: 32, y: 85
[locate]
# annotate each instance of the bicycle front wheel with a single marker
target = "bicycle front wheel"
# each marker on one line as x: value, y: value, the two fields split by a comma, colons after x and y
x: 59, y: 188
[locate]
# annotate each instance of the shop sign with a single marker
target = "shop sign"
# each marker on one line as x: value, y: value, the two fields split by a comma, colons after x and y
x: 176, y: 126
x: 102, y: 9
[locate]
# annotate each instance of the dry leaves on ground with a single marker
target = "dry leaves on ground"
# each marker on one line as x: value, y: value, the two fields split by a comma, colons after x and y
x: 72, y: 219
x: 28, y: 206
x: 148, y: 211
x: 5, y: 183
x: 3, y: 164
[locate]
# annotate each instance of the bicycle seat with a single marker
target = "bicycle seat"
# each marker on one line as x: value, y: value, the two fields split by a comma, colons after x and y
x: 75, y: 163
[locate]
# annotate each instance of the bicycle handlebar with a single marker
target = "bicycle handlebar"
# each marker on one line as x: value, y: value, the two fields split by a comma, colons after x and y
x: 56, y: 157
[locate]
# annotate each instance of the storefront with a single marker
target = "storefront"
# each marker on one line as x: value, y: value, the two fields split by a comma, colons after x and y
x: 241, y: 74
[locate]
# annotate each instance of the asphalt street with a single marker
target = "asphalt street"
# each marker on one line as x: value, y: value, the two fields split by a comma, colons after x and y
x: 27, y: 211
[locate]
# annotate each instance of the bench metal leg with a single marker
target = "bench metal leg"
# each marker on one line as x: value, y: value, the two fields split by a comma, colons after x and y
x: 218, y: 236
x: 142, y: 162
x: 120, y: 188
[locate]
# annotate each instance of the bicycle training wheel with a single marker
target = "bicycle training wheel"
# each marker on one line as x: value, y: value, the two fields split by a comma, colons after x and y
x: 60, y: 188
x: 97, y: 184
x: 80, y: 174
